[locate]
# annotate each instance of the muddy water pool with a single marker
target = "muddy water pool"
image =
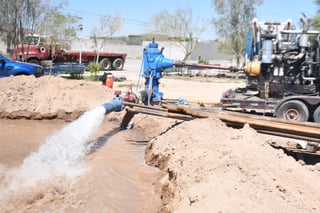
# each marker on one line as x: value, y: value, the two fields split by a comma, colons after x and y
x: 18, y: 138
x: 117, y: 178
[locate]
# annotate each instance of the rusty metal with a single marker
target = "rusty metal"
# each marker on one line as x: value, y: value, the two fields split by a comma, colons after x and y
x: 207, y: 66
x: 185, y: 110
x: 291, y: 129
x: 262, y: 124
x: 161, y: 113
x: 164, y: 110
x: 125, y: 103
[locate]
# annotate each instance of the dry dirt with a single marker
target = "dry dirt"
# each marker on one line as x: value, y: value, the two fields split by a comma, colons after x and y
x: 204, y: 166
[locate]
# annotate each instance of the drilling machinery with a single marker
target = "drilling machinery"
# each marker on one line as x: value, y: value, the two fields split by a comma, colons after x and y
x: 283, y: 72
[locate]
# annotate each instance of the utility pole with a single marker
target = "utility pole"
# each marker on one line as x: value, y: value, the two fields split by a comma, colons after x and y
x: 80, y: 57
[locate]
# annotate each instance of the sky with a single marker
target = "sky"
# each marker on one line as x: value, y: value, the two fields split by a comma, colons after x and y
x: 137, y: 13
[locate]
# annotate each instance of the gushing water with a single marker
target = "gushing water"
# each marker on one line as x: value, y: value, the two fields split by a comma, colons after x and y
x: 63, y: 153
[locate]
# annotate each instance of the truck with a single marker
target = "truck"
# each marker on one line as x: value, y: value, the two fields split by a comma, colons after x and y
x: 9, y: 67
x: 38, y: 50
x: 282, y: 70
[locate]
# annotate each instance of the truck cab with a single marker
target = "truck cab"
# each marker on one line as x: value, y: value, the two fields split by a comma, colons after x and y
x: 9, y: 67
x: 34, y: 49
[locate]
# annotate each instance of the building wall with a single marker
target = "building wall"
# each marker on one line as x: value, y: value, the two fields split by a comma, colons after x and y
x: 173, y: 50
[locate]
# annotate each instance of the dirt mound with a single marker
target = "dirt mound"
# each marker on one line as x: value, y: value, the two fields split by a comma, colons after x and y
x: 209, y: 167
x: 49, y: 97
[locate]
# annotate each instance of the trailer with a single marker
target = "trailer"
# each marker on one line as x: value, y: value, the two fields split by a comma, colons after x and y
x: 108, y: 61
x: 38, y: 50
x: 282, y: 73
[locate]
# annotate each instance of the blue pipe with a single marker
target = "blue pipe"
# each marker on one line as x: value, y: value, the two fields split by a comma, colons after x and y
x: 115, y: 105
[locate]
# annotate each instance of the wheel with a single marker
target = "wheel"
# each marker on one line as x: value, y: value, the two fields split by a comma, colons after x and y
x: 118, y: 64
x: 293, y: 111
x: 34, y: 61
x: 316, y: 115
x: 105, y: 64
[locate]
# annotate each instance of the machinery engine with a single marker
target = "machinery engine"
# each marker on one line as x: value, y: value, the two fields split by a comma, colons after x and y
x: 282, y: 61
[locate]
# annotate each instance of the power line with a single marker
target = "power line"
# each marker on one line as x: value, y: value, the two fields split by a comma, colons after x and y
x: 126, y: 20
x: 99, y: 15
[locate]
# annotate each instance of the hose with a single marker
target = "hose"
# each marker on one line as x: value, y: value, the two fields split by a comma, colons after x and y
x: 138, y: 83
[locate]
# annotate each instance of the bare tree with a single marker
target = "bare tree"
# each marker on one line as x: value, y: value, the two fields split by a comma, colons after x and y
x: 21, y: 17
x: 180, y: 25
x: 232, y: 22
x: 109, y: 25
x: 18, y: 18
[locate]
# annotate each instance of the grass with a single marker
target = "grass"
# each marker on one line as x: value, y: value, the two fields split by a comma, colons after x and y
x: 91, y: 77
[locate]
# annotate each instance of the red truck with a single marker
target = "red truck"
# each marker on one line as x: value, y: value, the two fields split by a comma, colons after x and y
x: 36, y: 49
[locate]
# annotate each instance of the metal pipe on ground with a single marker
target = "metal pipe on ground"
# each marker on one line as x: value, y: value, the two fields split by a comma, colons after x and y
x: 161, y: 114
x: 263, y: 124
x: 270, y: 124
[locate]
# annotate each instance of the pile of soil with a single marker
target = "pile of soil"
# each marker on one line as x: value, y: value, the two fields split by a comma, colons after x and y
x: 49, y: 97
x: 205, y: 165
x: 209, y: 167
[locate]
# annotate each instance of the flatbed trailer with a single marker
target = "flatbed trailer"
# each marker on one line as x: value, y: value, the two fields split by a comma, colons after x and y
x: 108, y: 61
x: 293, y: 108
x: 38, y: 50
x: 247, y: 102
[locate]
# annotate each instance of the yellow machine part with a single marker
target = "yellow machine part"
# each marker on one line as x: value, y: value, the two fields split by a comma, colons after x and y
x: 252, y: 68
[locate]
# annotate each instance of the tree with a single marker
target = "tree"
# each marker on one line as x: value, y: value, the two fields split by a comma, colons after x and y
x: 21, y: 17
x: 108, y: 27
x: 181, y: 26
x: 315, y: 21
x: 18, y: 17
x: 232, y: 22
x: 60, y: 28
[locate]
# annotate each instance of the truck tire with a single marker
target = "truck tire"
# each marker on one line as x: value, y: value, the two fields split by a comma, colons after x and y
x: 316, y: 115
x: 34, y: 61
x: 105, y: 64
x: 293, y: 111
x: 118, y: 64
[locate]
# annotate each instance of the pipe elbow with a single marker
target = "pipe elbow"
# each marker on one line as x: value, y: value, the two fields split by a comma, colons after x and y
x: 115, y: 105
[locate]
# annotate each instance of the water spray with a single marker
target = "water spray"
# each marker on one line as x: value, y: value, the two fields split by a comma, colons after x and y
x: 63, y: 153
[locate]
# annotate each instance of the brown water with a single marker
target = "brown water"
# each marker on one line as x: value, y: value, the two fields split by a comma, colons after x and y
x: 117, y: 179
x: 18, y: 138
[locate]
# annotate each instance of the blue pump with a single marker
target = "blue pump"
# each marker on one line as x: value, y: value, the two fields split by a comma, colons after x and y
x: 154, y: 64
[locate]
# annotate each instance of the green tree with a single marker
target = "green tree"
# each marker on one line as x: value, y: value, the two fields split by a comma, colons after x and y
x: 315, y: 21
x: 180, y: 25
x: 60, y: 28
x: 232, y: 22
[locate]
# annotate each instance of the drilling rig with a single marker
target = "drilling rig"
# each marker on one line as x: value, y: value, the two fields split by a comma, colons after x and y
x: 282, y: 71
